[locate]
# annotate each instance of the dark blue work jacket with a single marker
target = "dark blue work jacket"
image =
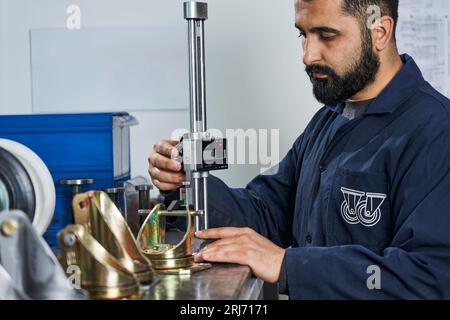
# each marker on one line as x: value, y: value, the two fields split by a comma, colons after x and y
x: 362, y: 205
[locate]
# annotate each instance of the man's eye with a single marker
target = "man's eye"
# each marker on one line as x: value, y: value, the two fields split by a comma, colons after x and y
x: 327, y: 36
x: 302, y: 34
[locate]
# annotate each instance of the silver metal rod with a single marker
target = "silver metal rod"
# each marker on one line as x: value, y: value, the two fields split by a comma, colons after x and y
x: 202, y: 78
x: 205, y: 202
x: 193, y: 80
x: 196, y: 13
x: 197, y: 195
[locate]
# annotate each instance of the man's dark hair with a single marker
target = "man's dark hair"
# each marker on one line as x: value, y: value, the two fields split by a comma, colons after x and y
x: 358, y: 9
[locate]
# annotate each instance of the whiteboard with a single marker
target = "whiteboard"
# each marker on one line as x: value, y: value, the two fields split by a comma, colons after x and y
x: 424, y: 33
x: 109, y: 69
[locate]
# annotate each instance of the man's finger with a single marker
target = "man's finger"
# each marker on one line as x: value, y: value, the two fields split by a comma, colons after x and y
x: 166, y: 176
x: 219, y: 243
x: 165, y: 186
x: 164, y: 163
x: 166, y: 148
x: 228, y: 254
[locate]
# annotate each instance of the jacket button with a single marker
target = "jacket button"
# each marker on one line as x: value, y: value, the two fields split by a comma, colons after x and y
x: 322, y: 168
x: 308, y: 238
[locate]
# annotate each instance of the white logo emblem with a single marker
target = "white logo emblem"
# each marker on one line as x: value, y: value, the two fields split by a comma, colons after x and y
x: 361, y: 207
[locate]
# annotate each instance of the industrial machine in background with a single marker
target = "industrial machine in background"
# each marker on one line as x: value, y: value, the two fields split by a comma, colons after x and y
x: 43, y: 195
x: 81, y: 151
x: 28, y: 267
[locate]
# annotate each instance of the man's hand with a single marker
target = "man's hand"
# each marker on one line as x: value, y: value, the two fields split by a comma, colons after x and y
x: 243, y: 246
x: 165, y: 172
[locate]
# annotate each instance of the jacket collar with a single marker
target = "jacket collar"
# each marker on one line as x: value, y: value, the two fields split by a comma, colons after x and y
x: 402, y: 86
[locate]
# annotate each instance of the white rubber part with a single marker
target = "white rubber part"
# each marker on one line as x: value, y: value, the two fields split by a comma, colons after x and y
x: 42, y: 180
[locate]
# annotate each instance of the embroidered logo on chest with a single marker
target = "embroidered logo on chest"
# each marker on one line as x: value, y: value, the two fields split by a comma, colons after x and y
x: 361, y: 208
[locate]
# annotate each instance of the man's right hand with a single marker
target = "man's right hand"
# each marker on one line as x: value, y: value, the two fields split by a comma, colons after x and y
x: 165, y: 173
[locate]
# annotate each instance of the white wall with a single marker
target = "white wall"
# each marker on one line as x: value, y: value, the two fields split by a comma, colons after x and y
x: 255, y: 76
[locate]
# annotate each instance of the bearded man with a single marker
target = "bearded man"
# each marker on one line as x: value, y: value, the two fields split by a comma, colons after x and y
x: 360, y: 206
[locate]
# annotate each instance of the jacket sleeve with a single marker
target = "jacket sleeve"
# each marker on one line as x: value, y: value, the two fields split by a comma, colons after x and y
x: 265, y: 205
x: 417, y: 263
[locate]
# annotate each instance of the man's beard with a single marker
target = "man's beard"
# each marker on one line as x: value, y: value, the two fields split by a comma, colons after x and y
x: 335, y: 89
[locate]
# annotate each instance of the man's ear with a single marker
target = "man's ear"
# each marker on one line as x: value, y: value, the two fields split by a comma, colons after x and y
x: 383, y: 33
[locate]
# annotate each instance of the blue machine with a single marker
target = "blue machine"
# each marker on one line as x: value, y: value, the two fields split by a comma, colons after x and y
x: 75, y: 146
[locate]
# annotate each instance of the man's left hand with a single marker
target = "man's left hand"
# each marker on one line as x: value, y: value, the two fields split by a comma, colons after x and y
x: 245, y: 247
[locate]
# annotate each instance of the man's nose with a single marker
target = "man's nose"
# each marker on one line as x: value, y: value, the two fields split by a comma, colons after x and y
x: 311, y: 52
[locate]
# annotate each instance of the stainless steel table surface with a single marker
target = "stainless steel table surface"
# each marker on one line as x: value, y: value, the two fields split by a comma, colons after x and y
x: 221, y: 282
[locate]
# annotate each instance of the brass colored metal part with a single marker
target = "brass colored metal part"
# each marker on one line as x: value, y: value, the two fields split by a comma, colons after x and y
x: 176, y: 263
x: 102, y: 275
x: 168, y: 258
x: 103, y: 220
x: 10, y: 227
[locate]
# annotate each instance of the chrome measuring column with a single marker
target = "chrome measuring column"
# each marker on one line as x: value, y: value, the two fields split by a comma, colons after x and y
x: 196, y: 185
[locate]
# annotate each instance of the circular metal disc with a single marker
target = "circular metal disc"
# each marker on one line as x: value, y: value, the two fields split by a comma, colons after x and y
x: 76, y: 182
x: 41, y: 179
x: 18, y: 184
x: 4, y: 197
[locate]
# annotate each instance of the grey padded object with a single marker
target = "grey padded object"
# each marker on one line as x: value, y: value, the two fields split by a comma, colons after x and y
x: 33, y: 269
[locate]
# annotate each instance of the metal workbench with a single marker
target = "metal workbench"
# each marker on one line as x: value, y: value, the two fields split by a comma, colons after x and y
x: 221, y: 282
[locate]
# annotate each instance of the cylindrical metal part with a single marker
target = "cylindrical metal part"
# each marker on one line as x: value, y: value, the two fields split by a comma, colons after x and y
x: 114, y: 195
x: 195, y: 10
x: 202, y: 76
x: 197, y: 82
x: 144, y: 196
x: 76, y: 184
x: 193, y: 75
x: 196, y: 194
x: 144, y: 201
x: 205, y: 202
x: 197, y: 204
x: 196, y: 13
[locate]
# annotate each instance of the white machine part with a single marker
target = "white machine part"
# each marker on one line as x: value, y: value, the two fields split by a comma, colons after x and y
x: 44, y: 188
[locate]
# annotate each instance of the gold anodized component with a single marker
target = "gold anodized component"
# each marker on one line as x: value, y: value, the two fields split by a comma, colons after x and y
x: 104, y: 222
x: 168, y: 258
x: 101, y: 274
